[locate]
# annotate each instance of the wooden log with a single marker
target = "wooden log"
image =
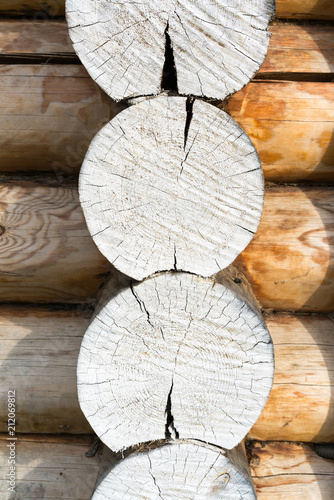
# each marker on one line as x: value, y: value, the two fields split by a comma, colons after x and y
x: 186, y: 187
x: 40, y: 351
x: 128, y: 48
x: 299, y: 48
x: 289, y: 471
x: 305, y: 9
x: 50, y: 467
x: 293, y: 48
x: 47, y: 254
x: 53, y: 112
x: 144, y: 366
x: 51, y: 115
x: 180, y: 470
x: 291, y: 126
x: 300, y: 406
x: 289, y: 263
x: 295, y: 9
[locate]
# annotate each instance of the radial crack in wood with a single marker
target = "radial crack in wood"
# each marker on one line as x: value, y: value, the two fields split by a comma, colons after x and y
x: 171, y: 184
x: 179, y: 470
x: 217, y: 47
x: 177, y: 355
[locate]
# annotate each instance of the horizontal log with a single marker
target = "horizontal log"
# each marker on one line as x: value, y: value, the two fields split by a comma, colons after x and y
x: 50, y: 467
x: 293, y: 48
x: 52, y: 113
x: 48, y: 255
x: 289, y: 471
x: 296, y: 9
x: 291, y: 125
x: 281, y: 471
x: 40, y: 351
x: 300, y: 406
x: 289, y: 262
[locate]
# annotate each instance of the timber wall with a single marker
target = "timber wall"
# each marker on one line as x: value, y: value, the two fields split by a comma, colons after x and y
x: 51, y: 271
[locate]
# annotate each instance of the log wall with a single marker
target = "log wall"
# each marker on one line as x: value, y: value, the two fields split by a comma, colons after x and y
x: 51, y: 271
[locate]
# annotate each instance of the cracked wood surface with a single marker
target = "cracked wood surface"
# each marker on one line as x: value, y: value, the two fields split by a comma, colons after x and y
x: 288, y: 263
x: 294, y: 9
x: 179, y: 470
x: 290, y: 471
x: 293, y: 48
x: 52, y: 113
x: 217, y: 47
x: 148, y: 358
x: 40, y: 351
x: 171, y: 184
x: 281, y: 471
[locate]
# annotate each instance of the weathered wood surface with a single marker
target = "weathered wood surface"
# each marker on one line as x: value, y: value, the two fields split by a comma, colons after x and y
x: 295, y: 9
x: 145, y: 366
x: 124, y: 47
x: 50, y: 114
x: 299, y: 49
x: 289, y: 471
x: 290, y: 260
x: 281, y: 471
x: 293, y: 48
x: 179, y: 470
x: 291, y: 125
x: 48, y: 255
x: 300, y: 406
x: 46, y: 252
x: 183, y: 169
x: 40, y: 352
x: 50, y: 467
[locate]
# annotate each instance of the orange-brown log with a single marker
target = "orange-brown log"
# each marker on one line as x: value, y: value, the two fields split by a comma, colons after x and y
x: 292, y: 127
x: 52, y: 112
x: 40, y: 351
x: 296, y: 9
x: 47, y: 254
x: 290, y: 471
x: 293, y: 48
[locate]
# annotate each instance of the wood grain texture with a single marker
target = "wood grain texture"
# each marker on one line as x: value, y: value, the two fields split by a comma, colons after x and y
x: 293, y: 48
x: 295, y: 9
x: 300, y: 406
x: 40, y: 353
x: 305, y: 9
x: 291, y: 125
x: 217, y: 47
x: 289, y: 471
x: 144, y: 365
x: 289, y: 263
x: 163, y: 187
x: 49, y: 116
x: 50, y: 468
x: 46, y: 253
x: 179, y: 470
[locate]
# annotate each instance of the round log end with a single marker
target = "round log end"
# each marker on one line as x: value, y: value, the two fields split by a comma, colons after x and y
x: 171, y: 184
x: 175, y: 356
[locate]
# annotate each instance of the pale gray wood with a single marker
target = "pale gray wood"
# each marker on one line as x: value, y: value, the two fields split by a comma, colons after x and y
x: 157, y: 198
x: 176, y: 355
x: 218, y: 46
x: 180, y: 470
